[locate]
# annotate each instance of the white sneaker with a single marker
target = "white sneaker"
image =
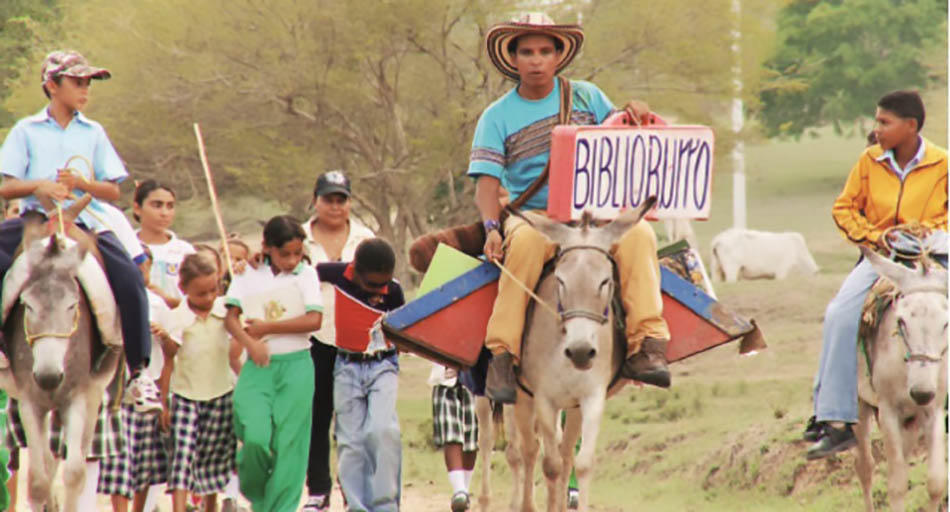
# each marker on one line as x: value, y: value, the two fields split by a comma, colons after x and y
x: 143, y: 394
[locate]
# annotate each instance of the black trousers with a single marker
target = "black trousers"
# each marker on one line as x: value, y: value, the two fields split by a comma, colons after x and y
x: 124, y: 276
x: 319, y: 480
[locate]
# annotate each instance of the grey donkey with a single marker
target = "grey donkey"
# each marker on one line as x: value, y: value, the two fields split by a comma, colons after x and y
x: 56, y: 359
x: 568, y: 361
x: 907, y: 385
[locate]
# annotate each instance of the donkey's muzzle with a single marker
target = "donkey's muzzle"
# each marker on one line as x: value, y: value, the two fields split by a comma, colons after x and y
x: 921, y: 397
x: 580, y: 355
x: 48, y: 381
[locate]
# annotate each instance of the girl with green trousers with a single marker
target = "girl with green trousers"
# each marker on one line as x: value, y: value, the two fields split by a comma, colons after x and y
x: 281, y: 304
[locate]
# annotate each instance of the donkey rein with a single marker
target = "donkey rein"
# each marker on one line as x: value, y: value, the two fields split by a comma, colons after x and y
x: 527, y: 290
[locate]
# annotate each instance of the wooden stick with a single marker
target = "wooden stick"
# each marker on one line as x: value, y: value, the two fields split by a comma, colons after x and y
x: 539, y: 300
x: 214, y: 199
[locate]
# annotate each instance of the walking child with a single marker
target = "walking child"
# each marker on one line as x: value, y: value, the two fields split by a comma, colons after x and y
x: 153, y: 207
x: 280, y: 301
x: 198, y: 374
x: 455, y: 430
x: 365, y: 378
x: 332, y: 235
x: 135, y: 473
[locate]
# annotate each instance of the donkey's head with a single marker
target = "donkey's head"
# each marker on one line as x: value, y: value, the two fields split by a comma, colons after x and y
x: 51, y: 305
x: 920, y: 310
x: 584, y: 271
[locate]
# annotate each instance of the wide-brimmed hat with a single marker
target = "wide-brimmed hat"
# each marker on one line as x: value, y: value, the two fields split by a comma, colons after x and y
x: 500, y: 35
x: 70, y: 63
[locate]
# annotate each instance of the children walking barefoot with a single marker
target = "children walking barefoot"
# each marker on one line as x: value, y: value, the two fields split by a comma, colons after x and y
x: 198, y: 374
x: 280, y: 301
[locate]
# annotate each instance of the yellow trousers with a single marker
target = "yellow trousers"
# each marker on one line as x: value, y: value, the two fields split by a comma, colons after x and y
x: 526, y: 251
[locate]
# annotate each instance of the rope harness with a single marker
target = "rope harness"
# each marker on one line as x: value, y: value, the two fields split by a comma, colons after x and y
x: 910, y: 356
x: 560, y: 314
x: 600, y: 318
x: 31, y: 338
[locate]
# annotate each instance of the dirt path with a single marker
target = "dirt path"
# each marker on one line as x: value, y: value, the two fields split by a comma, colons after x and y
x: 424, y: 497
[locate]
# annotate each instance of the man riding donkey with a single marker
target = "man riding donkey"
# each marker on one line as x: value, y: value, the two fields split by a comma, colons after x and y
x: 899, y: 179
x: 510, y: 153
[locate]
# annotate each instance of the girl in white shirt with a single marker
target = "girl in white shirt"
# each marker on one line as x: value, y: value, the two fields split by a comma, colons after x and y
x: 280, y: 301
x: 153, y: 207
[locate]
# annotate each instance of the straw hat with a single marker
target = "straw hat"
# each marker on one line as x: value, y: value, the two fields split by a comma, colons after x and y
x: 531, y: 23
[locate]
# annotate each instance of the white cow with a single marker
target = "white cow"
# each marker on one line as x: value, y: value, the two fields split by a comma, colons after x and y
x: 747, y: 254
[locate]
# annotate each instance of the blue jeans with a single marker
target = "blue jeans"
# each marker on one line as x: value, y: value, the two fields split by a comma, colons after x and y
x: 369, y: 450
x: 836, y: 392
x: 836, y: 383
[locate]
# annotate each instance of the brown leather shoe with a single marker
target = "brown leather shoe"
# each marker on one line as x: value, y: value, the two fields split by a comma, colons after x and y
x: 649, y: 364
x: 500, y: 383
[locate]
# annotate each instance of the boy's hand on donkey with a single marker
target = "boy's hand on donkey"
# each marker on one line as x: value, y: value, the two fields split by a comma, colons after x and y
x: 494, y: 250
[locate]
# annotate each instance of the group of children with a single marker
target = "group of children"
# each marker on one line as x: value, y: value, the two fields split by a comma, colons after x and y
x: 221, y: 383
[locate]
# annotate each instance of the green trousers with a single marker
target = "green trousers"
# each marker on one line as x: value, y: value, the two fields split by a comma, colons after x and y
x: 272, y: 416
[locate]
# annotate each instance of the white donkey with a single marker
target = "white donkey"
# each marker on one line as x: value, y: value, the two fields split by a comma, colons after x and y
x: 569, y: 361
x: 907, y: 385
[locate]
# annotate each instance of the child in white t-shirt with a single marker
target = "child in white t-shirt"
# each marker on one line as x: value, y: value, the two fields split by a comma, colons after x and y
x: 280, y: 301
x: 153, y: 207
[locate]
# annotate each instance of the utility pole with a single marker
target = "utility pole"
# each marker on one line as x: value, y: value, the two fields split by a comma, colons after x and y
x: 738, y: 151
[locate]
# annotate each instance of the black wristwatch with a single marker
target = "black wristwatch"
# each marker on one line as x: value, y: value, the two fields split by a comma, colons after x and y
x: 491, y: 225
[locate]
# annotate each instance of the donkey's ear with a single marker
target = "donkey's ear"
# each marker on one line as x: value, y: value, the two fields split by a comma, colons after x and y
x: 72, y: 212
x: 557, y: 232
x: 33, y: 230
x: 894, y: 272
x: 613, y: 231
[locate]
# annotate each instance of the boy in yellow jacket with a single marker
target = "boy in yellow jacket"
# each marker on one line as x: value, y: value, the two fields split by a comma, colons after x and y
x: 901, y: 179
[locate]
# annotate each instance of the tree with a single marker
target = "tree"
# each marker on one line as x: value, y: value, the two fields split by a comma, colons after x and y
x: 21, y: 22
x: 837, y: 57
x: 389, y: 91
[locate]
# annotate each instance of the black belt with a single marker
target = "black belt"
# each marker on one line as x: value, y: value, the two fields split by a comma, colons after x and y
x: 359, y: 357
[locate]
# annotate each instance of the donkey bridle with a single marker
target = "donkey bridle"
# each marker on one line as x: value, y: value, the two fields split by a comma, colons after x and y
x: 31, y: 338
x: 577, y: 313
x: 910, y: 356
x: 600, y: 318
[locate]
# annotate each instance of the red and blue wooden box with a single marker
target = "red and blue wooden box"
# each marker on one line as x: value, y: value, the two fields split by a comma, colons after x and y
x: 447, y: 325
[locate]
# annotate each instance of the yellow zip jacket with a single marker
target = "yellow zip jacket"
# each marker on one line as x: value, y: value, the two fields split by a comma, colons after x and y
x: 874, y: 198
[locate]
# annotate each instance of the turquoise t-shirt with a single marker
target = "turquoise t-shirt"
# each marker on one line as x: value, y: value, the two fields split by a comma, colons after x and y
x: 513, y: 138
